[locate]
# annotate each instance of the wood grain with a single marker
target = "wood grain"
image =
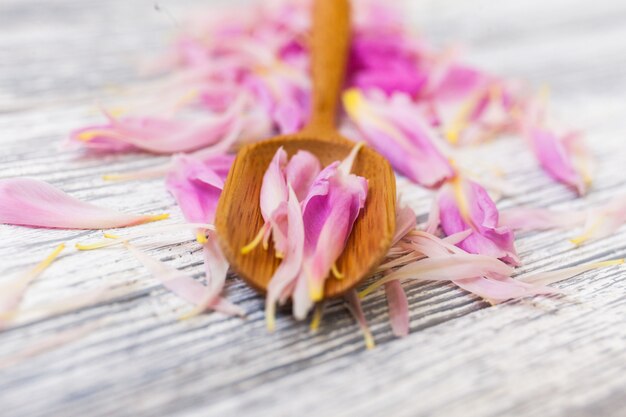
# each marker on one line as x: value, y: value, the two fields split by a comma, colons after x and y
x: 539, y: 357
x: 239, y: 217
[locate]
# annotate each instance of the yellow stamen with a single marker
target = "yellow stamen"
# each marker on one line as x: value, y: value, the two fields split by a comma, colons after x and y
x: 201, y: 237
x: 369, y: 339
x: 110, y: 236
x: 95, y: 245
x: 279, y: 255
x: 461, y: 200
x: 317, y: 317
x: 461, y: 120
x: 608, y: 263
x: 336, y: 273
x: 157, y: 217
x: 41, y: 266
x: 116, y: 112
x: 254, y: 243
x: 270, y: 317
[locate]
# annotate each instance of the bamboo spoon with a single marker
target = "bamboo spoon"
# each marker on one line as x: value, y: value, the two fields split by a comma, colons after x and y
x: 238, y: 213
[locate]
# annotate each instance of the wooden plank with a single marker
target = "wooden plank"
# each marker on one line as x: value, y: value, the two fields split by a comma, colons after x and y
x: 548, y: 357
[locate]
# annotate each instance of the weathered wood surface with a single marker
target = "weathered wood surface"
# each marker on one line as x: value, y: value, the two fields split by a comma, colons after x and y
x: 543, y: 357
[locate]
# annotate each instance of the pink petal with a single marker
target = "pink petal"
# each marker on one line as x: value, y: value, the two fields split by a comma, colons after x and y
x: 555, y: 158
x: 196, y: 188
x: 30, y: 202
x: 462, y: 205
x: 183, y: 285
x: 289, y: 269
x: 301, y: 171
x: 329, y: 212
x: 550, y: 277
x: 529, y: 218
x: 398, y: 308
x: 160, y: 134
x: 405, y: 222
x: 354, y: 306
x: 445, y: 268
x: 395, y: 129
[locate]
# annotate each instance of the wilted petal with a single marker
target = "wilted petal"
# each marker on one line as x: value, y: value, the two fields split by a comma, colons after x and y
x: 395, y: 128
x: 30, y: 202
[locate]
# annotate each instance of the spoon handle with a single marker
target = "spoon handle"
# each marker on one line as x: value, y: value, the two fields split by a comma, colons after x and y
x: 329, y: 45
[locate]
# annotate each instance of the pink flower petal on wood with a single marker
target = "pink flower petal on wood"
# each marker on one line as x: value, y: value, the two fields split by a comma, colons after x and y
x: 398, y: 308
x: 395, y: 129
x: 183, y: 285
x: 30, y: 202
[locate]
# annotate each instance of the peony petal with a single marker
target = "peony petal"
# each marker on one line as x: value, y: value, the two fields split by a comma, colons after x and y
x: 160, y: 134
x: 289, y: 268
x: 395, y: 130
x: 196, y: 188
x: 181, y: 284
x: 30, y: 202
x: 462, y: 205
x: 301, y: 171
x: 451, y: 267
x: 398, y: 308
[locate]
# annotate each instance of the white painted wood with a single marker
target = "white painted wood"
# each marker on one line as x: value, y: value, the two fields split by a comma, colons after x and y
x: 539, y: 357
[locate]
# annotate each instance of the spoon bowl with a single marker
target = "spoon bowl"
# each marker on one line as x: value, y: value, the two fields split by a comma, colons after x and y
x: 239, y: 216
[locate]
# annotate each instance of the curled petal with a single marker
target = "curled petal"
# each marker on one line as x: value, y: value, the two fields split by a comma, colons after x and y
x: 30, y: 202
x: 462, y: 205
x: 329, y: 212
x: 196, y: 188
x: 558, y: 157
x: 395, y: 129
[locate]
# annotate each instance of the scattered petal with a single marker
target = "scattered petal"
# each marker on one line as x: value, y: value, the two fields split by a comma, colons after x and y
x: 30, y: 202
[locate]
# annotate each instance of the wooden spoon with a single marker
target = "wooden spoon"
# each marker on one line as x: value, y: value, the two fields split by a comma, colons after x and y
x: 238, y: 216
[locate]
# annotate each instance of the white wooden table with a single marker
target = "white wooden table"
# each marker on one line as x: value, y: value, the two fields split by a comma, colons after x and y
x: 539, y: 357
